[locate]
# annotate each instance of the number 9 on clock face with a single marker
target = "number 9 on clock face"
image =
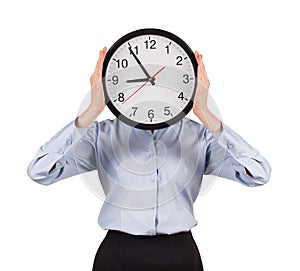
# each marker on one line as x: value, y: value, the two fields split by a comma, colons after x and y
x: 149, y: 78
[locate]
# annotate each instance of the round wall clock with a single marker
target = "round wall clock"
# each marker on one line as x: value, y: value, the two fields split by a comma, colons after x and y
x: 149, y: 78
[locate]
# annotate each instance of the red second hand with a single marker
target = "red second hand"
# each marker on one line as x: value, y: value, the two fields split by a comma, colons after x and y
x: 144, y: 84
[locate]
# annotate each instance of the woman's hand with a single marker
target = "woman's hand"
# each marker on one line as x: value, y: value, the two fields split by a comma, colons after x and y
x: 201, y: 95
x: 97, y: 95
x: 200, y: 107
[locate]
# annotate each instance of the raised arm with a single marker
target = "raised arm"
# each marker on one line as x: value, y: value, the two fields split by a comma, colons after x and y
x: 200, y: 107
x: 228, y: 155
x: 72, y: 150
x: 97, y: 95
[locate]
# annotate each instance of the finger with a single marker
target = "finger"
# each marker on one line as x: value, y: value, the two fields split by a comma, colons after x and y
x: 204, y: 74
x: 197, y: 56
x: 206, y: 78
x: 199, y: 61
x: 200, y: 67
x: 93, y: 75
x: 92, y: 78
x: 97, y: 64
x: 95, y: 72
x: 100, y: 63
x: 199, y: 73
x: 99, y: 71
x: 102, y: 54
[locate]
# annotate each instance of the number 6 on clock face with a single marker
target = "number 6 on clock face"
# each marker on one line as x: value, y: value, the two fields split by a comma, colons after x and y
x: 149, y: 78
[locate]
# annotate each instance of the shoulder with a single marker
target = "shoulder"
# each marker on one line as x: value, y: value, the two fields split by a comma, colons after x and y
x: 106, y: 125
x: 189, y: 123
x: 201, y: 130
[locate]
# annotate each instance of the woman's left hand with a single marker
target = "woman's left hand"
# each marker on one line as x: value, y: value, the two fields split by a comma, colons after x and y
x: 200, y: 107
x: 201, y: 95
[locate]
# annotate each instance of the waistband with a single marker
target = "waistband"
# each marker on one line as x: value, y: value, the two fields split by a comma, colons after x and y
x: 158, y: 235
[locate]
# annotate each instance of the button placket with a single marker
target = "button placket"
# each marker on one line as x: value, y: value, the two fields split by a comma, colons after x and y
x: 151, y: 232
x: 153, y: 179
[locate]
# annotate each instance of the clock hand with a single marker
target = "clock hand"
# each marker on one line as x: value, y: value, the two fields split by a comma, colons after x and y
x: 151, y: 78
x: 139, y: 80
x: 140, y: 64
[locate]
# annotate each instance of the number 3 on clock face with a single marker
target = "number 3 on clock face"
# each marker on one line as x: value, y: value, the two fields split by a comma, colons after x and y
x: 149, y: 78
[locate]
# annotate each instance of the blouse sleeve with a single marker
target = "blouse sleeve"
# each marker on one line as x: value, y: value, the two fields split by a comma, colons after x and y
x: 69, y: 152
x: 229, y: 156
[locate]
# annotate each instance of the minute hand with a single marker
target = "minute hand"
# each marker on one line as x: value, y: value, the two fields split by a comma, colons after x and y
x: 141, y: 65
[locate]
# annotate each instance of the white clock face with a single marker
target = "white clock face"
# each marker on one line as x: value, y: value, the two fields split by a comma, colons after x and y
x: 149, y: 80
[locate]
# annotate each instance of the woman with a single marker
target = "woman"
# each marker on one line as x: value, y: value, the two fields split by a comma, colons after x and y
x: 149, y: 229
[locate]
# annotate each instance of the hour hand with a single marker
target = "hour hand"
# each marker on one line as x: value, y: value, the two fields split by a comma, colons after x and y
x: 139, y: 80
x: 140, y: 64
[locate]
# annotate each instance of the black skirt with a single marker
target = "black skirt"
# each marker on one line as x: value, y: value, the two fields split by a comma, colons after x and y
x: 121, y: 251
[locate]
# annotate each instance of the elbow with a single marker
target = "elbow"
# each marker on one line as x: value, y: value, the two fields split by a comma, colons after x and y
x: 259, y: 181
x: 260, y: 176
x: 265, y: 176
x: 251, y: 180
x: 39, y: 177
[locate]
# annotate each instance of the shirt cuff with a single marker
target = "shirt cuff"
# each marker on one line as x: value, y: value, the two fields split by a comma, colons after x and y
x: 243, y: 153
x: 217, y: 135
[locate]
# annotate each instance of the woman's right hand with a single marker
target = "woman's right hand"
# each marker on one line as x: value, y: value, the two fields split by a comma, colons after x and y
x: 97, y: 95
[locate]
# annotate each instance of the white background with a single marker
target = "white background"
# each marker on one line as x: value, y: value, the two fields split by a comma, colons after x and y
x: 251, y: 52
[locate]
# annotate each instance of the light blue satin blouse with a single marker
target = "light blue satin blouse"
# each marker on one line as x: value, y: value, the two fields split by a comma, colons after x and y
x: 150, y: 181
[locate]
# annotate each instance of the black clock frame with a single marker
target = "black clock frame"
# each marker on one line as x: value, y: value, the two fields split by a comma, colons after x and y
x: 114, y: 48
